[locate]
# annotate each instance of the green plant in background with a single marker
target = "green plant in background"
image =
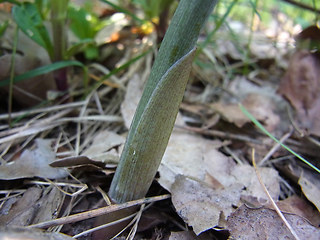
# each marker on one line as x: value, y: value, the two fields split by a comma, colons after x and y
x: 85, y: 25
x: 153, y: 8
x: 156, y: 113
x: 30, y: 18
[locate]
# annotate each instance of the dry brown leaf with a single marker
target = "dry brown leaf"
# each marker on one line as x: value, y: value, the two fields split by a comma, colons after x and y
x: 188, y: 235
x: 201, y: 206
x: 260, y: 106
x: 19, y: 214
x: 307, y: 179
x: 301, y: 85
x: 34, y: 206
x: 300, y: 207
x: 310, y: 186
x: 15, y: 233
x: 263, y: 223
x: 33, y: 163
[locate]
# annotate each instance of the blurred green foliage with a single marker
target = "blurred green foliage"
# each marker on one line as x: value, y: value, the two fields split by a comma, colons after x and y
x: 268, y: 10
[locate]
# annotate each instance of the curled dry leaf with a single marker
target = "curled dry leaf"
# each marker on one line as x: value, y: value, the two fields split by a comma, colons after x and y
x: 310, y: 186
x: 101, y: 146
x: 33, y: 163
x: 263, y: 223
x: 308, y: 181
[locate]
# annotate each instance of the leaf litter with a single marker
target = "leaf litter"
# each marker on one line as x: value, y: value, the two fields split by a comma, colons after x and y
x: 59, y: 160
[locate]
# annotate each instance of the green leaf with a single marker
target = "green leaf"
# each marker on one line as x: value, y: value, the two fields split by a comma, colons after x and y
x: 41, y: 70
x: 30, y: 22
x: 150, y: 138
x: 81, y: 22
x: 78, y: 47
x: 3, y: 27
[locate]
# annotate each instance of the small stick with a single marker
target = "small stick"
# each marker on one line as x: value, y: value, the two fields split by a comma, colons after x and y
x: 97, y: 212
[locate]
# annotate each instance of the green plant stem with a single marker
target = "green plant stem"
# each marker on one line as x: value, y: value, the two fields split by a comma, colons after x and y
x: 58, y: 21
x: 139, y: 164
x: 12, y: 68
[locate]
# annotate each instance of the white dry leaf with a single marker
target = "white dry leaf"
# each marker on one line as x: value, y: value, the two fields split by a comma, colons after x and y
x: 206, y: 202
x: 33, y: 163
x: 102, y: 146
x: 185, y: 156
x: 227, y: 173
x: 201, y: 206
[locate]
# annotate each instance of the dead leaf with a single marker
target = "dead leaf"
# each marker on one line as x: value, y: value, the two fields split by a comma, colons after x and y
x: 260, y: 106
x: 227, y: 173
x: 201, y: 206
x: 301, y: 85
x: 189, y: 235
x: 263, y: 223
x: 101, y: 146
x: 300, y: 207
x: 33, y: 163
x: 309, y: 38
x: 307, y: 179
x: 184, y: 155
x: 20, y: 213
x: 310, y: 186
x: 36, y: 205
x: 16, y: 233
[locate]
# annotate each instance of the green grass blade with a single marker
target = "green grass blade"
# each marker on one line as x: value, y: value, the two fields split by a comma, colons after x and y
x: 42, y: 70
x: 265, y: 131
